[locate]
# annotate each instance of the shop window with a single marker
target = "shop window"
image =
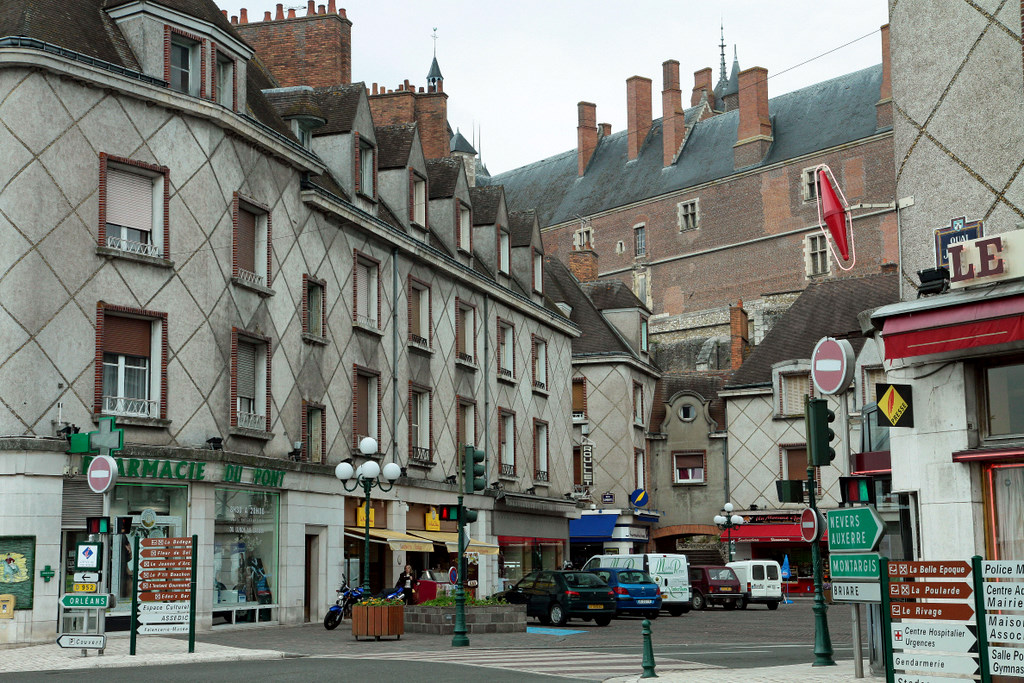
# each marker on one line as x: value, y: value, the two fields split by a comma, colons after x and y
x: 793, y: 390
x: 522, y: 555
x: 540, y: 363
x: 366, y: 291
x: 251, y: 252
x: 1005, y: 519
x: 157, y: 511
x: 1003, y: 388
x: 245, y: 554
x: 506, y: 348
x: 579, y: 399
x: 507, y: 442
x: 420, y: 329
x: 133, y: 207
x: 689, y: 467
x: 365, y: 405
x: 540, y: 450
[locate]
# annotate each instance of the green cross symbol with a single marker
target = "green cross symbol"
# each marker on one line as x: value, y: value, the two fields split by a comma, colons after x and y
x: 104, y: 440
x: 46, y: 573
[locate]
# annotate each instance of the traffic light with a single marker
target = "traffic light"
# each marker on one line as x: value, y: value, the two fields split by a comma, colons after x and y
x: 448, y: 513
x: 790, y: 490
x: 123, y: 525
x: 97, y: 525
x: 468, y: 516
x: 857, y: 490
x: 474, y: 472
x: 819, y: 434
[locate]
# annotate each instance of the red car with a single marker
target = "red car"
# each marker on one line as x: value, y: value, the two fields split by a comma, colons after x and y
x: 715, y: 586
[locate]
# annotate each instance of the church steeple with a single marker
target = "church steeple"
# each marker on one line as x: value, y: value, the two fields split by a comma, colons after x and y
x: 435, y: 81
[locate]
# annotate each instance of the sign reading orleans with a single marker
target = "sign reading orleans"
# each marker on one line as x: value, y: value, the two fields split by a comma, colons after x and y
x: 190, y: 470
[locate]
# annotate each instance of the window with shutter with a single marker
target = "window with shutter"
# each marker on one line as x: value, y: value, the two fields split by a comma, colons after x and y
x: 362, y: 403
x: 794, y: 388
x: 579, y: 399
x: 314, y: 446
x: 689, y: 468
x: 246, y: 377
x: 507, y: 445
x: 126, y: 367
x: 132, y: 208
x: 415, y: 328
x: 540, y: 449
x: 314, y: 308
x: 130, y: 202
x: 246, y: 236
x: 795, y: 463
x: 577, y: 465
x: 641, y: 469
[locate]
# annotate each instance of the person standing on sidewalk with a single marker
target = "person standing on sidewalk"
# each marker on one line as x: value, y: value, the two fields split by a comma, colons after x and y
x: 407, y: 582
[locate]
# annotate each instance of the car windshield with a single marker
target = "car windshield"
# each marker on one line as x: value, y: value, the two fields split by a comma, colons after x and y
x: 582, y: 580
x: 721, y: 574
x: 634, y: 576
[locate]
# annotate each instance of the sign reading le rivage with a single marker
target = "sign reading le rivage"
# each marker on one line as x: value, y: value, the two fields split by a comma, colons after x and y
x: 191, y: 470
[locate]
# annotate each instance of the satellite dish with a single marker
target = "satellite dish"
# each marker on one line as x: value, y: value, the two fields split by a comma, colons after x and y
x: 834, y: 215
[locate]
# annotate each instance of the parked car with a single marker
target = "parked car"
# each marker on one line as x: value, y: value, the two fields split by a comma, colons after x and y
x: 761, y: 581
x: 668, y: 570
x: 636, y: 591
x: 715, y: 585
x: 555, y: 596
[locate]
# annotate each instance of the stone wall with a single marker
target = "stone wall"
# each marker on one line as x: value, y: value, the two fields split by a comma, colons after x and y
x: 490, y: 619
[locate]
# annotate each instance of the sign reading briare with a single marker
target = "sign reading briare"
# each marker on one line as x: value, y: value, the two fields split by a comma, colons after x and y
x: 986, y: 259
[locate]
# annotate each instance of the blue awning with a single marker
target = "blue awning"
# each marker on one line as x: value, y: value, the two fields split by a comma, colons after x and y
x: 592, y: 528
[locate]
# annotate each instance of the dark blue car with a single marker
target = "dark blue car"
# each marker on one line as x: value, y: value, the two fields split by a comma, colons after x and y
x: 635, y: 590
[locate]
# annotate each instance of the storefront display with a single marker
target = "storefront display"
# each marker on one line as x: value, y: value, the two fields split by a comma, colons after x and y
x: 520, y: 555
x: 1004, y: 484
x: 245, y: 554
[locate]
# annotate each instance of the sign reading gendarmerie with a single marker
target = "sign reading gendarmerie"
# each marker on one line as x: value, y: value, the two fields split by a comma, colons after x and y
x: 191, y: 470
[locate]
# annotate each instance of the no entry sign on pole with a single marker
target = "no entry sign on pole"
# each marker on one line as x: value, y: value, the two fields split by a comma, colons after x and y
x: 832, y: 365
x: 102, y: 473
x: 810, y: 525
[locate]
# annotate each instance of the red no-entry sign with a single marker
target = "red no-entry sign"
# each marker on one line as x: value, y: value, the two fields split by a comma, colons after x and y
x: 810, y: 525
x: 102, y: 473
x: 832, y: 365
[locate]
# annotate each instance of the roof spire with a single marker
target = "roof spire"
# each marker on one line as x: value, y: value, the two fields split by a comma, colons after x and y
x: 435, y: 81
x: 722, y: 45
x: 434, y: 36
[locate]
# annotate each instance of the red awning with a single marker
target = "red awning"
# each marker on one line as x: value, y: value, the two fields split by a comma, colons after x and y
x: 954, y: 327
x: 989, y: 455
x: 769, y: 533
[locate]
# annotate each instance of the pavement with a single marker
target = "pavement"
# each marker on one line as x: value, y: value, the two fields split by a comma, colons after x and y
x: 155, y: 651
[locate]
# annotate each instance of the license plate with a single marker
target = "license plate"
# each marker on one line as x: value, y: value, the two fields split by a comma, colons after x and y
x: 644, y: 602
x: 726, y: 589
x: 595, y: 606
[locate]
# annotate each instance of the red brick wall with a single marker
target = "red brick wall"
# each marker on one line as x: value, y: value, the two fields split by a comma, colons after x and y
x: 428, y: 110
x: 638, y: 112
x: 314, y: 50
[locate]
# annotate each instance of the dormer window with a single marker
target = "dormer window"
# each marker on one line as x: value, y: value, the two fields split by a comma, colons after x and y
x: 185, y: 74
x: 225, y: 84
x: 303, y: 134
x: 504, y: 251
x: 643, y: 336
x: 366, y: 168
x: 464, y: 228
x: 538, y: 272
x: 417, y: 199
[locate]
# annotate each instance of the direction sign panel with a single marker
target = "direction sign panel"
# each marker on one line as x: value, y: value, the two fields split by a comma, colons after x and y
x: 951, y: 637
x: 1004, y: 595
x: 832, y: 363
x: 854, y: 566
x: 87, y: 641
x: 176, y: 542
x: 854, y: 529
x: 87, y: 577
x: 857, y: 592
x: 85, y: 600
x: 162, y: 586
x: 1002, y: 569
x: 949, y: 569
x: 163, y: 608
x: 149, y: 629
x: 166, y: 552
x: 165, y: 575
x: 163, y: 618
x: 935, y: 663
x: 162, y: 563
x: 157, y: 596
x: 952, y: 611
x: 957, y: 590
x: 1005, y: 628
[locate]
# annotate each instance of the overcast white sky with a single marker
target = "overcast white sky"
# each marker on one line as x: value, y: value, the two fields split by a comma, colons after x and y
x: 515, y: 70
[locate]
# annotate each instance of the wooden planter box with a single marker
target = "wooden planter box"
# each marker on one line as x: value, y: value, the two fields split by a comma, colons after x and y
x: 378, y: 620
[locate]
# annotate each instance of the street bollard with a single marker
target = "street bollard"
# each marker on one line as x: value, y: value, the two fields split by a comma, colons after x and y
x: 648, y: 662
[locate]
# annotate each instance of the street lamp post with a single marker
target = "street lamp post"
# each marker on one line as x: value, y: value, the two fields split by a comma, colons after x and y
x: 728, y: 521
x: 367, y: 477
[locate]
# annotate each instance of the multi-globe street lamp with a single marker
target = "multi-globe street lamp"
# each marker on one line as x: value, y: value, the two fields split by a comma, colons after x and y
x: 366, y: 476
x: 728, y: 521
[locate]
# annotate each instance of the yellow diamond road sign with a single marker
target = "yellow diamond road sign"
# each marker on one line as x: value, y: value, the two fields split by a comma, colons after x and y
x: 895, y: 403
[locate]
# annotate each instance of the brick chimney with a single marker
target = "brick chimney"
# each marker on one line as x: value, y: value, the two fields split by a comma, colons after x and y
x: 314, y: 50
x: 586, y: 135
x: 428, y: 110
x: 638, y: 112
x: 702, y: 84
x: 673, y: 126
x: 583, y: 263
x: 883, y: 109
x: 754, y: 133
x: 739, y: 343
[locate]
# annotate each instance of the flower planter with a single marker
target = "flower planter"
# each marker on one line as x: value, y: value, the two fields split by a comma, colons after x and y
x: 378, y: 620
x: 479, y: 619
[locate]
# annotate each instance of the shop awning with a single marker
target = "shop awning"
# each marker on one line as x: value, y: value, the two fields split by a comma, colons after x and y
x: 592, y: 528
x: 768, y: 533
x: 952, y: 328
x: 451, y: 541
x: 396, y: 540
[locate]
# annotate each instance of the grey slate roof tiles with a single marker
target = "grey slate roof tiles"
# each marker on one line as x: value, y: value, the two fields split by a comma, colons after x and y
x: 339, y: 103
x: 520, y: 224
x: 394, y: 144
x: 443, y: 176
x: 485, y: 201
x: 611, y: 294
x: 459, y: 143
x: 597, y: 336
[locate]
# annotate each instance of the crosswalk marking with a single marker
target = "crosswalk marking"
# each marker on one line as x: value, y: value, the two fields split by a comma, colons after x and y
x: 569, y: 663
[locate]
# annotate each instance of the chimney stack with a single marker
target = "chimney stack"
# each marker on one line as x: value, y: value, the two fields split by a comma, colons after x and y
x: 739, y: 343
x: 586, y: 135
x: 280, y: 13
x: 702, y: 84
x: 583, y: 263
x: 604, y: 130
x: 310, y: 7
x: 883, y: 109
x: 638, y: 113
x: 754, y: 133
x: 243, y: 15
x: 673, y: 126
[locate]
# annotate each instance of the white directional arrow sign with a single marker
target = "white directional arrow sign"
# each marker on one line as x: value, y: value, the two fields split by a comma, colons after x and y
x: 163, y: 618
x: 163, y: 607
x: 947, y: 664
x: 942, y: 636
x: 92, y: 642
x: 149, y: 629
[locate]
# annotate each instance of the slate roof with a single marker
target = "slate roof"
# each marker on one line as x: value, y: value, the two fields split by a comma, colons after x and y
x: 459, y: 143
x: 597, y: 334
x: 326, y: 181
x: 206, y: 10
x: 817, y: 117
x: 339, y: 103
x: 704, y: 383
x: 485, y: 201
x: 257, y: 80
x: 611, y: 294
x: 731, y: 86
x: 80, y: 26
x: 394, y: 144
x: 520, y: 224
x: 294, y: 102
x: 827, y: 308
x: 443, y: 176
x: 435, y: 70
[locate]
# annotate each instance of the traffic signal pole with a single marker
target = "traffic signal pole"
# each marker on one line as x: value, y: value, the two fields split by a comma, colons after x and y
x: 459, y: 636
x: 471, y: 480
x: 817, y: 417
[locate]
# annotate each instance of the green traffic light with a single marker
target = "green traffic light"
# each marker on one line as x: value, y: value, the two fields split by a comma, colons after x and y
x: 819, y: 434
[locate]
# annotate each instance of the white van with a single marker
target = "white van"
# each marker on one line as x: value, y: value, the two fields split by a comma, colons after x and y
x: 671, y: 572
x: 761, y: 581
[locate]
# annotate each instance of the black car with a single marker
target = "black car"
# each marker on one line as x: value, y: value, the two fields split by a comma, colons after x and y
x: 555, y: 596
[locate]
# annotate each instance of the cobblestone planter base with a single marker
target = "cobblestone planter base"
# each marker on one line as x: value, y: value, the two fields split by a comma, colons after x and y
x: 490, y: 619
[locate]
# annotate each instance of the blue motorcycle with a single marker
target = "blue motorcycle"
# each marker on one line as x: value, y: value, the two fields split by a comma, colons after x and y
x: 347, y: 596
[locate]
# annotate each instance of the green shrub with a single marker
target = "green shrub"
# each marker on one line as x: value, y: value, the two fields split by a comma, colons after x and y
x: 449, y: 601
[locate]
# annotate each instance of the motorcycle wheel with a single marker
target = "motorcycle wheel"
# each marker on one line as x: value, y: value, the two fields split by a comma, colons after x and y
x: 332, y: 620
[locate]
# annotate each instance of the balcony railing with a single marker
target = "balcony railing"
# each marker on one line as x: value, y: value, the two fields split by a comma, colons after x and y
x: 365, y: 320
x: 464, y: 357
x: 251, y: 278
x: 130, y: 407
x: 508, y: 470
x: 504, y: 372
x: 131, y: 247
x: 252, y: 421
x: 420, y: 454
x: 540, y: 475
x: 417, y: 339
x: 578, y: 415
x: 537, y: 384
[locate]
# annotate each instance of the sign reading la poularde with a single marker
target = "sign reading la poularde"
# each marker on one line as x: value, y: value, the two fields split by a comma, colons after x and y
x: 192, y: 470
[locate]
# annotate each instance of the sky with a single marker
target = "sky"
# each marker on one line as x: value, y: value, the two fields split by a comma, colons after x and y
x: 514, y: 71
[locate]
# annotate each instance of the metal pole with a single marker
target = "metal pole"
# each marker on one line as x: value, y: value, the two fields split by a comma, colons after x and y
x: 979, y: 617
x: 367, y: 486
x: 858, y: 664
x: 648, y: 658
x: 459, y: 636
x: 135, y: 597
x: 890, y: 674
x: 728, y: 537
x: 822, y: 640
x: 192, y: 597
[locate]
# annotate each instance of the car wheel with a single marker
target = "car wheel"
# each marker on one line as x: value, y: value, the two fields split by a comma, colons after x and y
x: 676, y: 611
x: 743, y: 603
x: 699, y: 601
x: 332, y: 620
x: 557, y: 615
x: 729, y: 604
x: 602, y: 621
x: 773, y: 605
